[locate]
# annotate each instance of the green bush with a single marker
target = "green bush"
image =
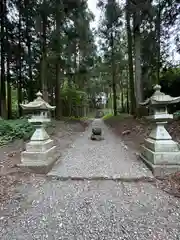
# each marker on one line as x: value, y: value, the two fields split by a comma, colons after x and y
x: 177, y: 115
x: 15, y: 129
x: 107, y: 116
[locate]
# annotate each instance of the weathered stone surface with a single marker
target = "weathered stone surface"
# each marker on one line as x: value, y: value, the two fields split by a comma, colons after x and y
x: 97, y: 131
x: 38, y: 158
x: 159, y: 150
x: 97, y: 123
x: 161, y: 157
x: 96, y: 137
x: 161, y: 170
x: 39, y: 146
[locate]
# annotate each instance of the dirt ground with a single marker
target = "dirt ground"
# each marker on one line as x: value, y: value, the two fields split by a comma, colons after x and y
x: 63, y: 133
x: 133, y: 131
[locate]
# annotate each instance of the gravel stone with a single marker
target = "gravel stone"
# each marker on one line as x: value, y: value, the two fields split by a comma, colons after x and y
x: 108, y: 158
x: 99, y: 210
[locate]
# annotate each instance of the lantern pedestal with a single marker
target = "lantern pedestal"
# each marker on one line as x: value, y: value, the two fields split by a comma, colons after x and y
x: 161, y: 153
x: 40, y: 152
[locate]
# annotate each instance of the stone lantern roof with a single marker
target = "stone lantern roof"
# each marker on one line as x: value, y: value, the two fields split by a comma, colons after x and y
x: 38, y: 104
x: 160, y: 98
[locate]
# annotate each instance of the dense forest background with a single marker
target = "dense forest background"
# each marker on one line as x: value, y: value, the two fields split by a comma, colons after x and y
x: 50, y: 46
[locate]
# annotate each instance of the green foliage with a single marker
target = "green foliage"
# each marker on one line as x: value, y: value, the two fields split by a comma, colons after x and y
x: 73, y: 100
x: 72, y: 94
x: 78, y: 118
x: 177, y: 115
x: 14, y: 129
x: 170, y: 82
x: 107, y: 116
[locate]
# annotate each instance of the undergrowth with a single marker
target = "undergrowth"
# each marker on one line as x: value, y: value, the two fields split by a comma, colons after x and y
x: 15, y: 129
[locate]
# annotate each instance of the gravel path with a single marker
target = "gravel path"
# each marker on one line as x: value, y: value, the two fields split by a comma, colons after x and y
x: 92, y: 210
x: 50, y: 209
x: 108, y: 158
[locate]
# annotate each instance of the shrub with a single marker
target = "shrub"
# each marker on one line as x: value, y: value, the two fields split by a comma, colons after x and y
x: 15, y: 129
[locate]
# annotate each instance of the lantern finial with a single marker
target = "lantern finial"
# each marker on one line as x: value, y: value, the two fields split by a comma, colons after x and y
x: 157, y: 87
x: 39, y: 94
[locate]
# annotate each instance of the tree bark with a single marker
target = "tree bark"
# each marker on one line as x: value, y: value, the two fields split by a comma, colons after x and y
x: 19, y: 65
x: 137, y: 52
x: 28, y: 43
x: 3, y: 77
x: 158, y: 29
x: 130, y: 62
x: 113, y: 76
x: 43, y: 57
x: 9, y: 102
x: 58, y: 110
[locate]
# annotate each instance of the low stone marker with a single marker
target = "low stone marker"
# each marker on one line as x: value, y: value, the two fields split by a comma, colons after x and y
x: 159, y: 151
x: 96, y: 127
x: 40, y: 151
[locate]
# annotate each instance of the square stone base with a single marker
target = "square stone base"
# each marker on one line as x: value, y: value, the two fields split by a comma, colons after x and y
x: 161, y: 170
x: 159, y: 158
x: 39, y: 161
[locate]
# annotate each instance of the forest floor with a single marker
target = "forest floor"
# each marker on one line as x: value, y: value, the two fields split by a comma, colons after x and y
x: 62, y: 132
x: 133, y: 132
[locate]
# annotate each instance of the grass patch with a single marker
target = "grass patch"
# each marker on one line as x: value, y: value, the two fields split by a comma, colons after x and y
x: 15, y: 129
x: 107, y: 116
x: 111, y: 117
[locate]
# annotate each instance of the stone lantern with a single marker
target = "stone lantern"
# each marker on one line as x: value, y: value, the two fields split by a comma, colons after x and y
x: 40, y: 151
x: 159, y: 151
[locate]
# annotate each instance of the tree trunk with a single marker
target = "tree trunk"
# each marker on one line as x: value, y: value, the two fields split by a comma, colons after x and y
x: 3, y: 77
x: 127, y: 93
x: 158, y: 29
x: 28, y: 43
x: 113, y: 76
x: 57, y: 93
x: 58, y: 111
x: 19, y: 65
x: 137, y: 51
x: 122, y: 100
x: 9, y: 102
x: 43, y: 57
x: 130, y: 62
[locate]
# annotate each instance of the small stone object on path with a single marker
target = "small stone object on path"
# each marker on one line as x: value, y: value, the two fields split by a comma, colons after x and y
x: 96, y: 130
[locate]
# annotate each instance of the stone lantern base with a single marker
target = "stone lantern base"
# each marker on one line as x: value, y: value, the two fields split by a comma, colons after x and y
x: 161, y: 153
x: 40, y: 153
